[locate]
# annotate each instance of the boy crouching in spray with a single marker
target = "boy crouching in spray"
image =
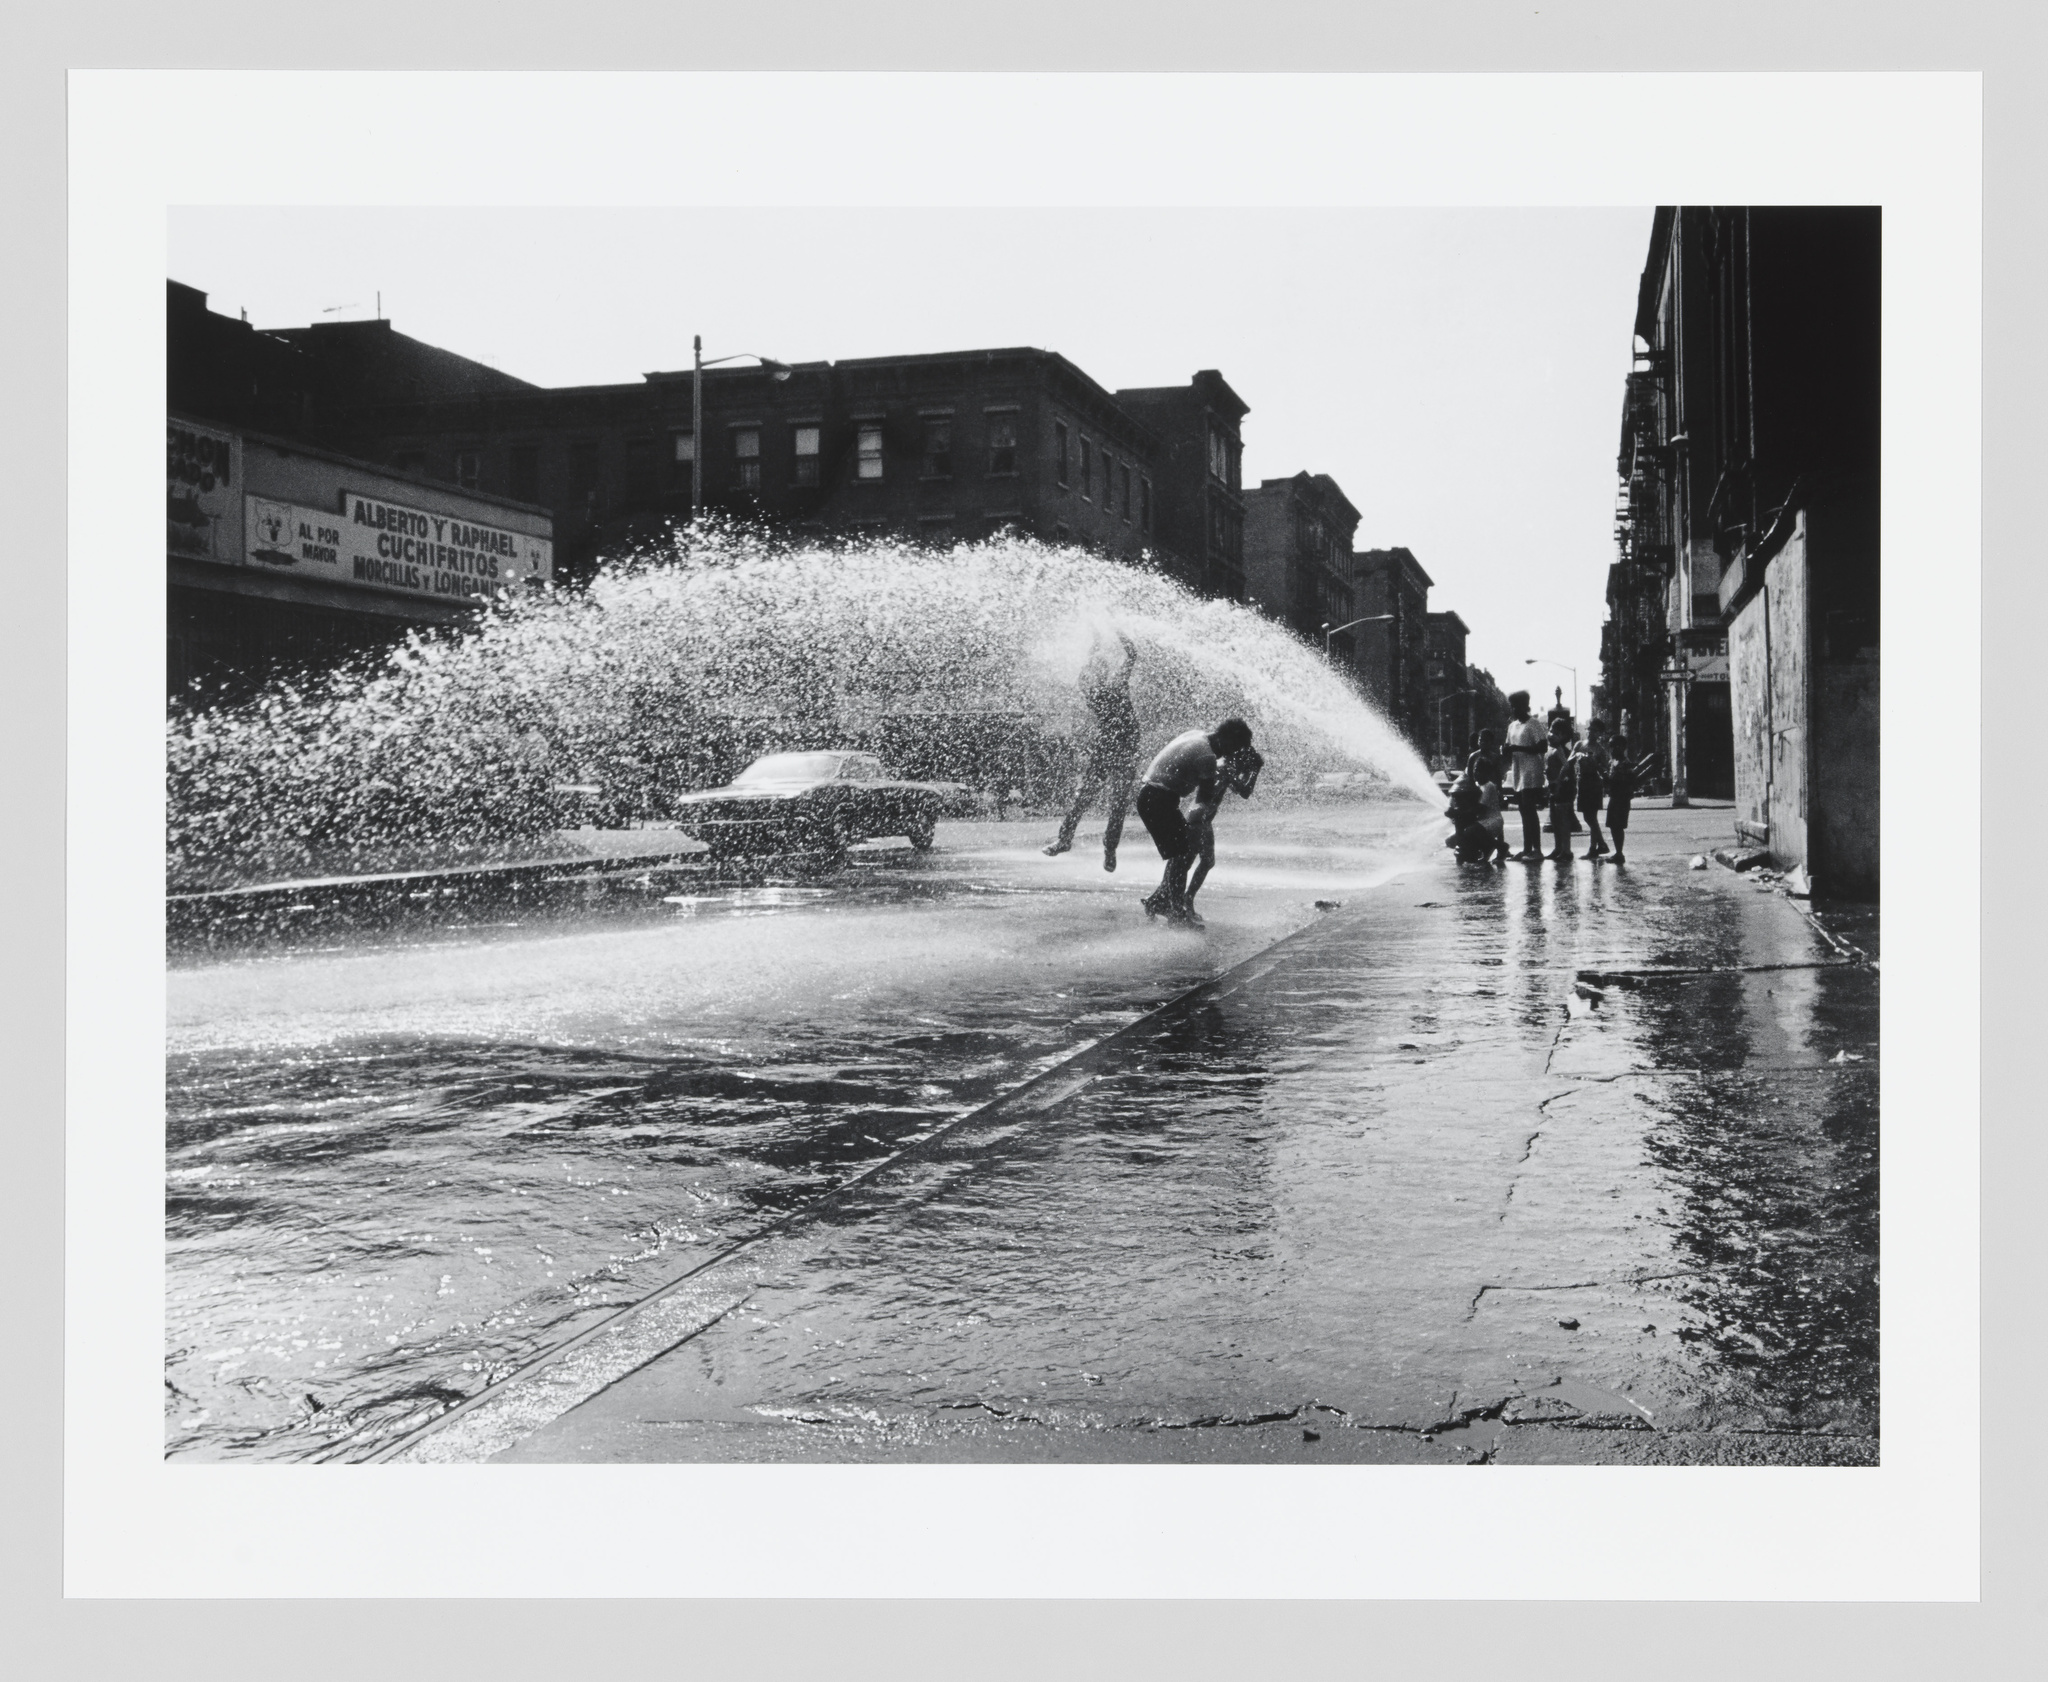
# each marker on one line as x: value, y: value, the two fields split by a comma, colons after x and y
x: 1204, y: 765
x: 1470, y: 838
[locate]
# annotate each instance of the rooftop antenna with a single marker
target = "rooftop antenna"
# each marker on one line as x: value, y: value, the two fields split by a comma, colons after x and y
x: 380, y: 304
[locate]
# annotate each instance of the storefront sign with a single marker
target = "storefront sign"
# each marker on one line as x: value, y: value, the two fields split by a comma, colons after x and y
x: 374, y: 544
x: 205, y: 482
x: 1703, y: 656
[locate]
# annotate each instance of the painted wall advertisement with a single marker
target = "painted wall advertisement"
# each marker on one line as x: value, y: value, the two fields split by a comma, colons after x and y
x: 374, y: 544
x: 205, y: 481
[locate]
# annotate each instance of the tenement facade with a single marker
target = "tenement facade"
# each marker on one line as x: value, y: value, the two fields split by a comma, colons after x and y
x: 1743, y: 606
x: 1201, y: 519
x: 284, y: 555
x: 1297, y: 538
x: 1390, y: 586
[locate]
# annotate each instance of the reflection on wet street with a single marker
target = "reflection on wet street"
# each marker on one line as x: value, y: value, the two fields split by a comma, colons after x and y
x: 1487, y: 1164
x: 398, y: 1168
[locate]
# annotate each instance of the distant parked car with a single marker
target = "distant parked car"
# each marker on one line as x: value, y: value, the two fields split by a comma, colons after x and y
x: 813, y: 802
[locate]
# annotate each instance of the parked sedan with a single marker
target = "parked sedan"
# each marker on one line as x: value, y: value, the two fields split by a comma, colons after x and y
x: 813, y: 802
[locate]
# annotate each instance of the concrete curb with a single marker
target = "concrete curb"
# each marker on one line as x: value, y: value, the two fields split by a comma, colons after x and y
x: 525, y: 1395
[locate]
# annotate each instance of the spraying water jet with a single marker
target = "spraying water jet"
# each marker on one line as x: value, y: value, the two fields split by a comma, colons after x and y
x: 685, y: 659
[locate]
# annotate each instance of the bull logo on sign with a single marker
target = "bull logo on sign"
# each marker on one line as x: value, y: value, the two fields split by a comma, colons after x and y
x: 271, y: 530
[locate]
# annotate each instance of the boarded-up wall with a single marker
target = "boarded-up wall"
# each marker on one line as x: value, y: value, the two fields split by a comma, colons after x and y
x: 1845, y: 758
x: 1749, y: 673
x: 1785, y: 607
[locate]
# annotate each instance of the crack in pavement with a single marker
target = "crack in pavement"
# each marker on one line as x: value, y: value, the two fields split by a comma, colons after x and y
x: 1664, y: 972
x: 1594, y: 1284
x: 1582, y: 1285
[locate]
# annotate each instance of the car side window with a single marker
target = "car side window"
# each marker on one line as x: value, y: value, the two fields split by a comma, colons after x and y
x: 860, y: 768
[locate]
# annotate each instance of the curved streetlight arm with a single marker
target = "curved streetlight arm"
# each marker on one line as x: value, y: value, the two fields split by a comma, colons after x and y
x: 781, y: 370
x: 1562, y: 667
x: 778, y: 371
x: 1330, y: 631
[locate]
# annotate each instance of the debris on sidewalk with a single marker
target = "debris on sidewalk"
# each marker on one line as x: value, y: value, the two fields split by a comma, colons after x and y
x: 1699, y: 862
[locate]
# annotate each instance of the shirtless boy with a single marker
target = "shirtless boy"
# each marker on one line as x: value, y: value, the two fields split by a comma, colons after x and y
x: 1191, y: 764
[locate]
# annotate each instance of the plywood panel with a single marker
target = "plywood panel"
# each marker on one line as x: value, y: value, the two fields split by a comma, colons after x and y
x: 1786, y: 612
x: 1749, y: 677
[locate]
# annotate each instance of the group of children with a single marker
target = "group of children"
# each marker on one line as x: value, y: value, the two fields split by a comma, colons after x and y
x: 1578, y: 777
x: 1574, y: 779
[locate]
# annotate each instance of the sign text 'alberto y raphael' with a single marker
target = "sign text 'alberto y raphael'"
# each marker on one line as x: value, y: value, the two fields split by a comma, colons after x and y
x: 389, y: 546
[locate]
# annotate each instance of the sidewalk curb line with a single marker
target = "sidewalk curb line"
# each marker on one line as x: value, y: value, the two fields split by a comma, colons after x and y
x: 1031, y: 1095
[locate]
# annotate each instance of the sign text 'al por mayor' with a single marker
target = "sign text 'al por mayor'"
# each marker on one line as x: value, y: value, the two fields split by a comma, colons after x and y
x: 389, y: 546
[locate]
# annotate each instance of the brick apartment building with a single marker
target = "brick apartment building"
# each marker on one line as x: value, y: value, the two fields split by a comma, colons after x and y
x: 1394, y: 655
x: 1448, y: 688
x: 942, y: 447
x: 1201, y: 488
x: 1298, y: 535
x: 945, y: 447
x: 1743, y: 606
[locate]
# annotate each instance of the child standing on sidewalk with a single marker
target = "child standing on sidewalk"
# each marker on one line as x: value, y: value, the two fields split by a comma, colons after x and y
x: 1559, y: 768
x: 1592, y: 778
x: 1621, y: 790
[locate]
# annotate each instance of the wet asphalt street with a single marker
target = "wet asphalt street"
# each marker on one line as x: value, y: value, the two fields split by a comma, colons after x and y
x: 1490, y: 1165
x: 415, y: 1141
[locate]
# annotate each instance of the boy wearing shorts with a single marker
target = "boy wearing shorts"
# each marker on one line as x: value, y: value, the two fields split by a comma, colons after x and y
x: 1191, y: 764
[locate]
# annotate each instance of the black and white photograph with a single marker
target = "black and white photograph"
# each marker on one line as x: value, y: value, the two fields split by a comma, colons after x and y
x: 1048, y: 866
x: 972, y: 867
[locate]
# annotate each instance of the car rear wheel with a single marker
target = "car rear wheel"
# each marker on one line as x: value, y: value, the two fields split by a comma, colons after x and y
x: 835, y: 837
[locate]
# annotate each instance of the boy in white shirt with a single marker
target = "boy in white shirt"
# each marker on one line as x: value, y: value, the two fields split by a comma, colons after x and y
x: 1526, y: 743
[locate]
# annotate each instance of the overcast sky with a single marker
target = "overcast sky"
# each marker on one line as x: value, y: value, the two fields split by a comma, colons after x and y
x: 1458, y: 372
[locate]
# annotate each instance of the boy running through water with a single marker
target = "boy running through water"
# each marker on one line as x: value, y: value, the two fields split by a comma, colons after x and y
x: 1192, y: 763
x: 1113, y: 763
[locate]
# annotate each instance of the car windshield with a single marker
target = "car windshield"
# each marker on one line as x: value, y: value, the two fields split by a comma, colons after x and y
x: 791, y: 768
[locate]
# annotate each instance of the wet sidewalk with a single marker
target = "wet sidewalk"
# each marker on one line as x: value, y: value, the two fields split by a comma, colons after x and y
x: 1498, y: 1164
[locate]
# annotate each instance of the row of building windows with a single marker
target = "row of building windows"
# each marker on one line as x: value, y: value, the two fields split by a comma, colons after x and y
x: 806, y: 450
x: 1120, y: 489
x: 1116, y: 477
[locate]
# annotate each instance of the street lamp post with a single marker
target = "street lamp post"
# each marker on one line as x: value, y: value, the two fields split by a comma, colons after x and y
x: 778, y: 371
x: 1442, y: 702
x: 1330, y: 630
x: 1563, y: 667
